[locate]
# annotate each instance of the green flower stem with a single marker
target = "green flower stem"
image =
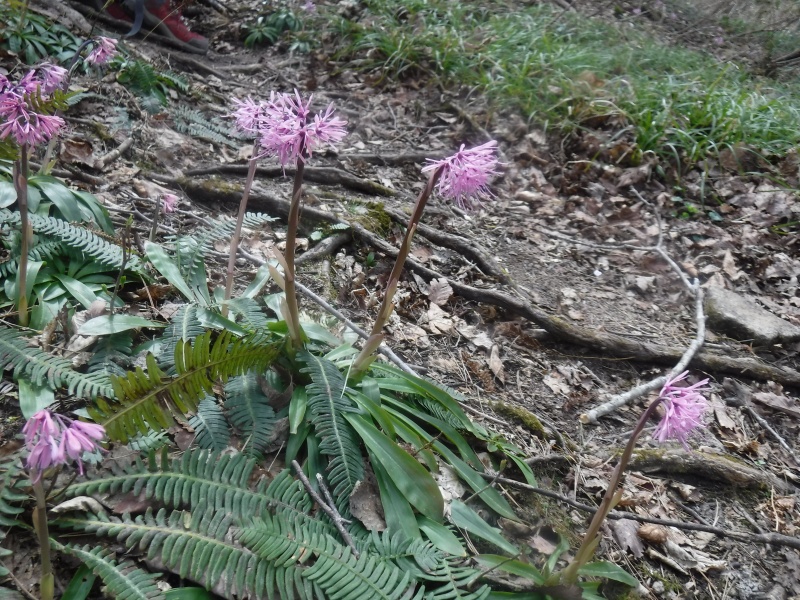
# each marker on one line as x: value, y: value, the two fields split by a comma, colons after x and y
x: 237, y: 233
x: 20, y: 176
x: 590, y: 540
x: 289, y: 275
x: 47, y: 585
x: 365, y: 356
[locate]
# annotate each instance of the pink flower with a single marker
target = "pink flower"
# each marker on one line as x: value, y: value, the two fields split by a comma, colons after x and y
x: 249, y: 114
x: 288, y: 132
x: 309, y: 7
x: 53, y: 77
x: 103, y: 51
x: 169, y: 202
x: 55, y: 440
x: 464, y: 177
x: 25, y: 125
x: 40, y: 425
x: 29, y: 83
x: 684, y: 408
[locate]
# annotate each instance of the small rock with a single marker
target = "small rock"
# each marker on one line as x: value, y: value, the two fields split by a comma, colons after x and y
x: 743, y: 319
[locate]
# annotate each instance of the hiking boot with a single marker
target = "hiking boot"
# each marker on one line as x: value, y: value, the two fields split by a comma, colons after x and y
x: 168, y: 20
x: 115, y: 9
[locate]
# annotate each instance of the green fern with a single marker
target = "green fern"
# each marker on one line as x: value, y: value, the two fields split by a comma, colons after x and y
x: 195, y: 545
x: 195, y: 123
x: 249, y: 313
x: 454, y: 581
x: 184, y: 325
x: 249, y: 411
x: 147, y: 400
x: 124, y: 581
x: 335, y: 569
x: 32, y: 363
x: 222, y: 480
x: 43, y: 251
x: 77, y: 238
x: 210, y: 428
x: 327, y: 404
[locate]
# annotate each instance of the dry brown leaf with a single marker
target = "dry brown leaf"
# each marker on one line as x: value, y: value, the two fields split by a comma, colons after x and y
x: 779, y: 403
x: 495, y: 364
x: 440, y: 291
x: 626, y: 534
x: 365, y: 504
x: 438, y: 321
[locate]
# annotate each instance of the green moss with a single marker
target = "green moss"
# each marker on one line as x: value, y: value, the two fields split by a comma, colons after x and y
x: 377, y: 220
x: 521, y: 416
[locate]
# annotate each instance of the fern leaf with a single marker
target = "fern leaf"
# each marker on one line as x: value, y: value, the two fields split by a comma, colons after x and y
x: 210, y: 428
x: 196, y: 546
x: 249, y: 411
x: 455, y: 581
x: 327, y: 404
x: 220, y: 480
x: 184, y: 325
x: 32, y: 363
x: 124, y: 581
x: 148, y: 399
x: 76, y: 237
x: 338, y: 573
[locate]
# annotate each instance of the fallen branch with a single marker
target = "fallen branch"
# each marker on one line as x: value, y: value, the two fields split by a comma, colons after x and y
x: 103, y: 161
x: 330, y: 510
x: 761, y: 538
x: 325, y: 175
x: 326, y: 247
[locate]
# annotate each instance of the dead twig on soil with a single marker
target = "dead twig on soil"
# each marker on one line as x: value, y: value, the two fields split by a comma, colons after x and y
x: 761, y: 538
x: 328, y: 509
x: 741, y: 398
x: 102, y: 162
x: 325, y: 175
x: 327, y: 247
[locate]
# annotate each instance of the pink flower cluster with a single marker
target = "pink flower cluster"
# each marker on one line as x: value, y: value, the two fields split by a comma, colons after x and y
x: 684, y: 408
x: 18, y: 118
x: 285, y: 128
x: 103, y: 50
x: 464, y: 177
x: 54, y: 439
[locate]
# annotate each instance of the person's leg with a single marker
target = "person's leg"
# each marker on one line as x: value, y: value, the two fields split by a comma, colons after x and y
x: 167, y: 19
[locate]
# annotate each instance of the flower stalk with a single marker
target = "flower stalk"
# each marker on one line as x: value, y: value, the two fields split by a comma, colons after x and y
x: 367, y: 354
x: 20, y: 176
x: 683, y: 412
x: 47, y: 581
x: 295, y: 333
x: 237, y: 232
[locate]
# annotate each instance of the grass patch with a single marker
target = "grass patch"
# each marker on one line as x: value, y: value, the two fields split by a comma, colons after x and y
x: 561, y: 70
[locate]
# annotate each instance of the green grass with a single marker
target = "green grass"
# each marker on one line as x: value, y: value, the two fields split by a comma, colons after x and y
x: 680, y: 104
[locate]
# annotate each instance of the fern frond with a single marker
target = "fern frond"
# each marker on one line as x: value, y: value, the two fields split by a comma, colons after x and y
x: 124, y: 581
x: 32, y: 363
x: 249, y: 411
x: 184, y: 325
x: 337, y: 572
x: 148, y: 399
x: 250, y: 312
x: 210, y: 427
x: 195, y: 123
x: 11, y: 490
x: 85, y: 241
x: 196, y: 546
x: 455, y: 581
x: 220, y: 480
x: 327, y: 404
x: 43, y: 251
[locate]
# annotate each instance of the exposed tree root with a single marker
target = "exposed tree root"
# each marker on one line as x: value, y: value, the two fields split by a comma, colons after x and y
x: 600, y: 341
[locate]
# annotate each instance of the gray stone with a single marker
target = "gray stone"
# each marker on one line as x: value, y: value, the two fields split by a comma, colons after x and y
x: 743, y: 319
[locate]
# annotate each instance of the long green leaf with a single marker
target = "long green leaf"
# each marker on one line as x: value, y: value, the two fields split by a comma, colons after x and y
x: 410, y: 477
x: 464, y: 517
x: 608, y: 570
x: 167, y: 267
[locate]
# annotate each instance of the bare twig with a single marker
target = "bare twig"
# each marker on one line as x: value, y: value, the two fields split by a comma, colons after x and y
x: 103, y: 161
x: 764, y: 538
x: 329, y: 510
